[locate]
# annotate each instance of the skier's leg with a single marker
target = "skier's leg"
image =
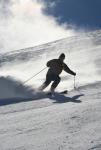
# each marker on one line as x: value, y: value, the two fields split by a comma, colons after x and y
x: 46, y: 83
x: 55, y: 83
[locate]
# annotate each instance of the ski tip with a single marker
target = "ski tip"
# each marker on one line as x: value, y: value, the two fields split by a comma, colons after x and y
x: 64, y: 92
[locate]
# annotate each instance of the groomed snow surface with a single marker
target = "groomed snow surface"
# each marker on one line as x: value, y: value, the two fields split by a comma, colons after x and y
x: 34, y: 121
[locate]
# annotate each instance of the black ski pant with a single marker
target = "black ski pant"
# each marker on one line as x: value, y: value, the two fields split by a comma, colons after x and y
x: 51, y: 77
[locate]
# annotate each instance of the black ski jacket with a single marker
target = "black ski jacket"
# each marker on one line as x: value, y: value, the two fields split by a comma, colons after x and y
x: 56, y: 67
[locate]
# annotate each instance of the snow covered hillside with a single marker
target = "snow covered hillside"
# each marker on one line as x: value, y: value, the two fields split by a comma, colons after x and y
x: 33, y: 121
x: 83, y: 55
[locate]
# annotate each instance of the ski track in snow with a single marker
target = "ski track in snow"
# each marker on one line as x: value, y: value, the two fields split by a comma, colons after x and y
x: 31, y: 121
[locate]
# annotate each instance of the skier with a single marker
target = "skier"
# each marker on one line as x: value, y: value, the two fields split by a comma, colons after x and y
x: 56, y: 66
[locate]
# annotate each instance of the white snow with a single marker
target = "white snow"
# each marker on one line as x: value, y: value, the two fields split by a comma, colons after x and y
x: 33, y: 121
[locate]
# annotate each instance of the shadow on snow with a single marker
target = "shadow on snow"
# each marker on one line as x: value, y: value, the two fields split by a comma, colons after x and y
x: 59, y: 98
x: 12, y: 91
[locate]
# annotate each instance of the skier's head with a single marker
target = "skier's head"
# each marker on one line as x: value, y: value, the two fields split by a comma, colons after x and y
x: 62, y: 57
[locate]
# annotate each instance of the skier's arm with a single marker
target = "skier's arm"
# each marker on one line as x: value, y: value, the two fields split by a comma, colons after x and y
x: 68, y: 70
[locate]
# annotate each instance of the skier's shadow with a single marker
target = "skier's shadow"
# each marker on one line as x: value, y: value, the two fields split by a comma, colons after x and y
x: 59, y: 98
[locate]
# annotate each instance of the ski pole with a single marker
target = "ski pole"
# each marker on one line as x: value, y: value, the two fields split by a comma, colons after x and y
x: 34, y: 75
x: 74, y: 83
x: 75, y: 87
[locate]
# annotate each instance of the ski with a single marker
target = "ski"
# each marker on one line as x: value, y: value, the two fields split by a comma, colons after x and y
x: 62, y: 92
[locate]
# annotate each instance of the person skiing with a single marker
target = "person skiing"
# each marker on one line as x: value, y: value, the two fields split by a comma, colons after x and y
x: 56, y: 66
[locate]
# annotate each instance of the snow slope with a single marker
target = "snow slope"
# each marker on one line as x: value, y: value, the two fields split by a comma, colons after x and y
x: 33, y: 121
x: 82, y: 55
x: 69, y: 122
